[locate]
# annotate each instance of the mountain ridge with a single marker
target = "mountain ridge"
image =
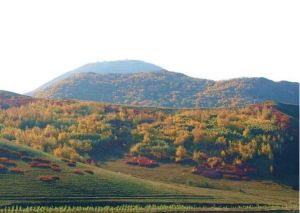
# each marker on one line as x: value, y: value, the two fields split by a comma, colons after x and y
x: 170, y: 89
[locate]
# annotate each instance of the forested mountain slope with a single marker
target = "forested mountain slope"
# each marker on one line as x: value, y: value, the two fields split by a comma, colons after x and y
x: 169, y: 89
x: 265, y: 135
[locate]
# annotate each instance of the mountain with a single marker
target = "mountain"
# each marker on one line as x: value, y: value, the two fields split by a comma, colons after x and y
x: 106, y: 67
x: 166, y: 89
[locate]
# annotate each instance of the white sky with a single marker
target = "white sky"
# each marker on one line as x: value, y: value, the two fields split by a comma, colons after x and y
x: 208, y: 39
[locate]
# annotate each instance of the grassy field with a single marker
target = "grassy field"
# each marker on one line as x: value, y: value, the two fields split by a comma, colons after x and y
x: 180, y: 175
x: 117, y: 184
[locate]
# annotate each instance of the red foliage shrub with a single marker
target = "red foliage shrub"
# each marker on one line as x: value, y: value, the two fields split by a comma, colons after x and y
x: 89, y: 171
x: 78, y: 172
x: 48, y: 178
x: 3, y: 169
x: 41, y: 160
x: 5, y: 161
x: 39, y: 165
x: 17, y: 171
x: 56, y: 169
x: 142, y: 161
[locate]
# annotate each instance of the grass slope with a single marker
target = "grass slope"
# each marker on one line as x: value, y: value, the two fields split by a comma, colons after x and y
x: 102, y: 183
x: 111, y: 187
x: 171, y: 173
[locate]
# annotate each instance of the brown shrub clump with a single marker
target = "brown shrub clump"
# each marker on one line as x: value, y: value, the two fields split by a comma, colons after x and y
x: 55, y: 167
x: 3, y: 169
x: 41, y: 160
x: 48, y: 178
x: 39, y: 165
x: 89, y: 171
x: 17, y: 171
x: 3, y: 159
x: 78, y: 172
x: 7, y: 162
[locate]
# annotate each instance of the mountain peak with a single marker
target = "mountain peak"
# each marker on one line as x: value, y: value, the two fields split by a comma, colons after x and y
x: 107, y: 67
x: 120, y: 66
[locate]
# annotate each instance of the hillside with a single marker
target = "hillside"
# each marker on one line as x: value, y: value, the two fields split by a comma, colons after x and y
x: 262, y: 135
x: 168, y: 89
x: 104, y: 154
x: 26, y: 185
x: 96, y: 182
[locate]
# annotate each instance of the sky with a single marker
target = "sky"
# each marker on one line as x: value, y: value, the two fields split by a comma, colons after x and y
x: 213, y: 39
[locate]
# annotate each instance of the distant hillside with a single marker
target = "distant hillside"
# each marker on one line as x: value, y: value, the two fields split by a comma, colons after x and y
x: 9, y: 99
x: 106, y: 67
x: 7, y: 94
x: 169, y: 89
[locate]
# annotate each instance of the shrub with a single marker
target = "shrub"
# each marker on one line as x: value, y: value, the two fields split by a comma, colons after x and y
x: 17, y: 171
x: 41, y: 160
x: 8, y: 162
x: 78, y: 172
x: 39, y: 165
x: 70, y: 163
x: 3, y: 169
x: 3, y: 159
x: 89, y: 171
x: 142, y: 161
x: 48, y: 178
x: 56, y: 169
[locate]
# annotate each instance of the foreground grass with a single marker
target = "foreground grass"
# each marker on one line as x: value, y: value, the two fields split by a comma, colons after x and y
x: 133, y: 208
